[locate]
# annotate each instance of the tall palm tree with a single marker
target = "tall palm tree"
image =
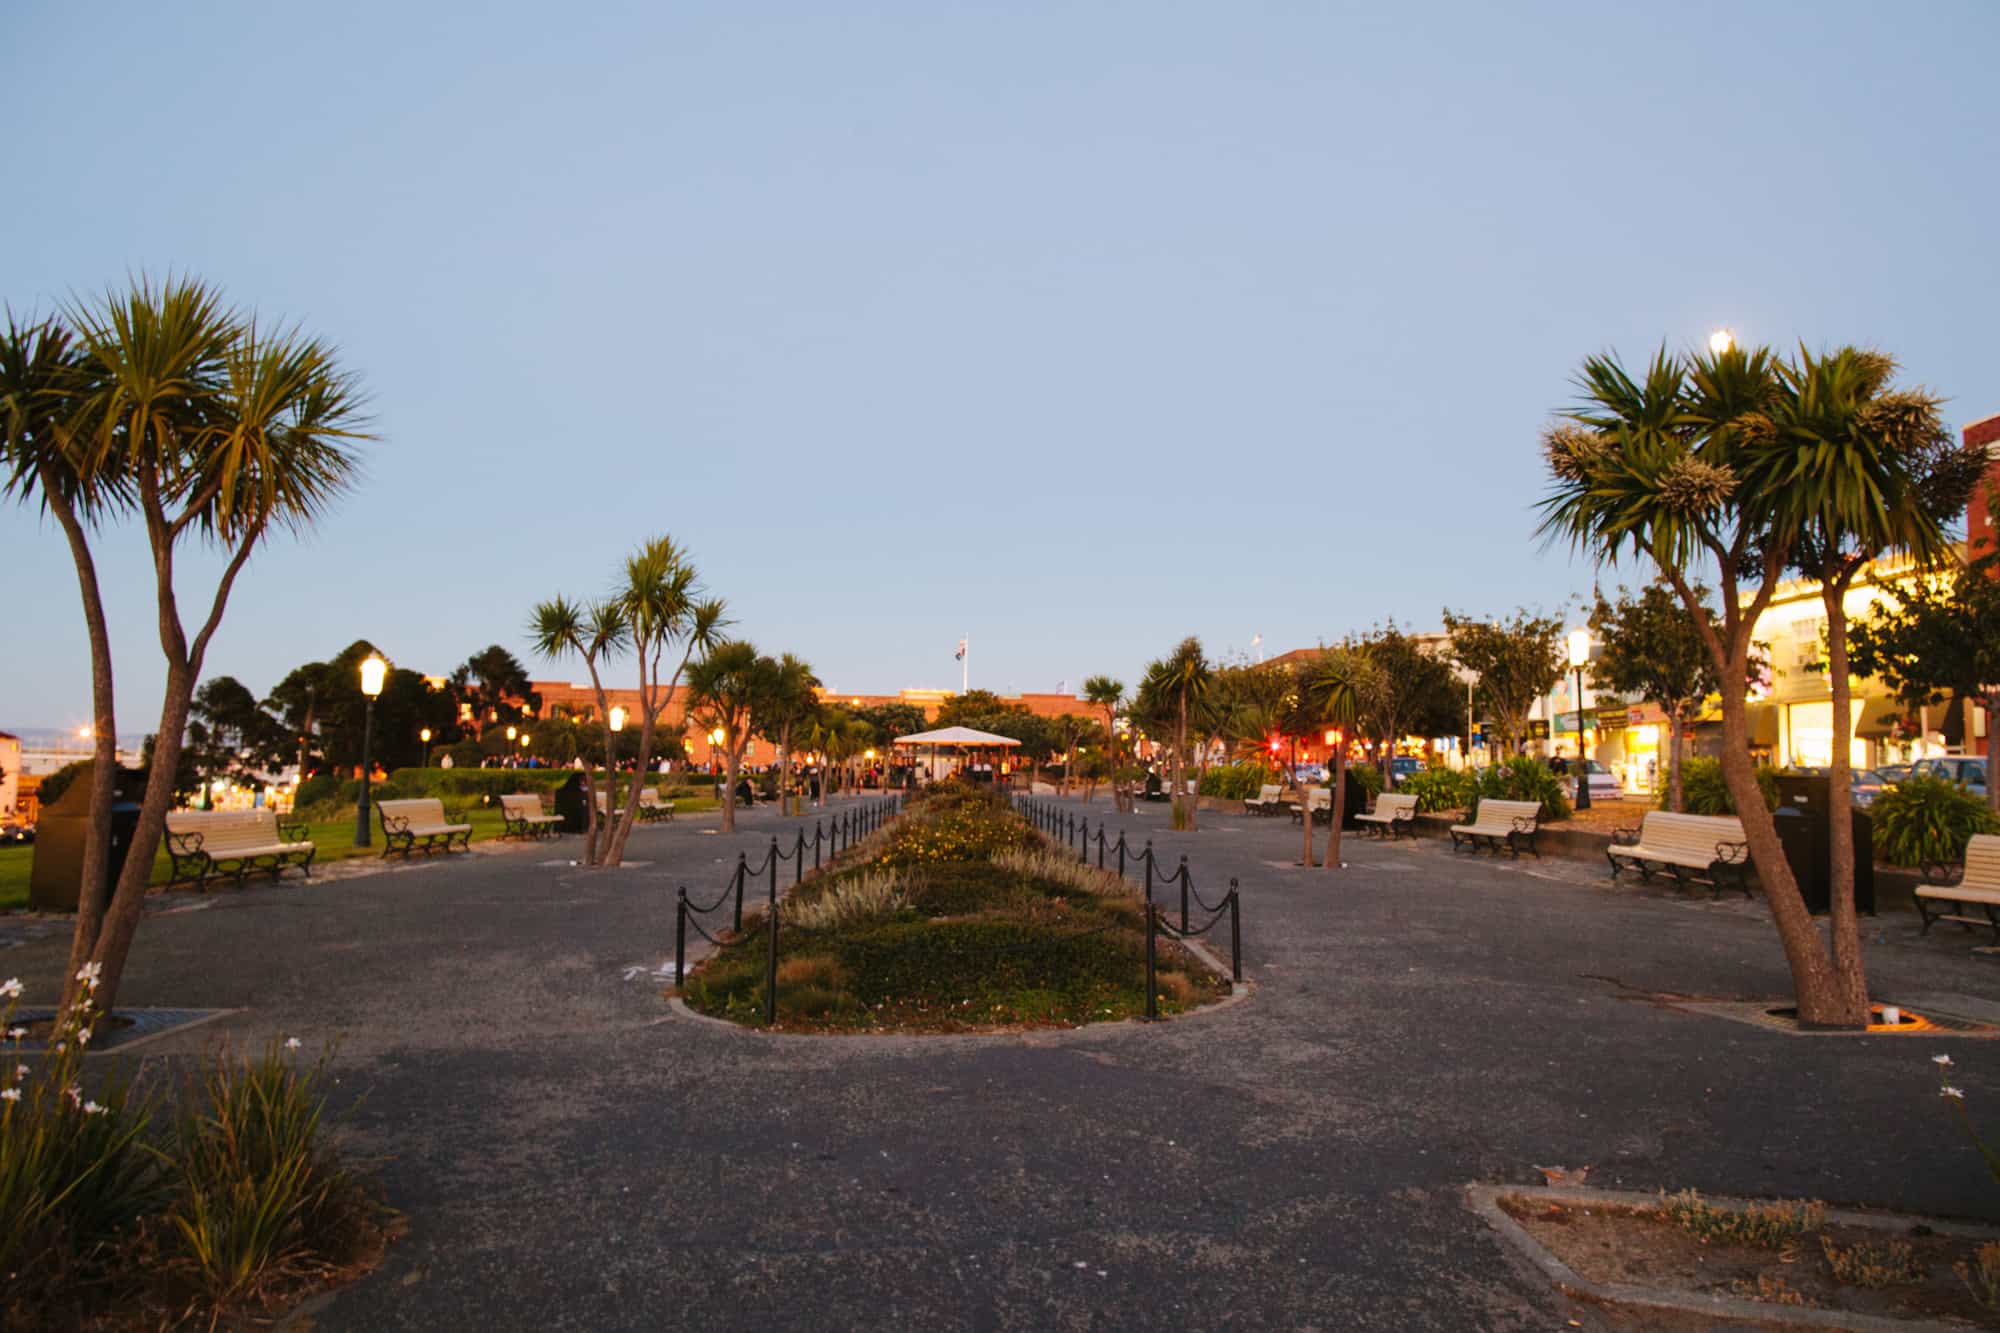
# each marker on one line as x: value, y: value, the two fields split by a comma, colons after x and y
x: 1108, y: 692
x: 1867, y: 468
x: 723, y: 687
x: 1186, y: 675
x: 225, y: 431
x: 42, y: 388
x: 1330, y: 691
x: 789, y: 696
x: 595, y: 632
x: 1675, y: 466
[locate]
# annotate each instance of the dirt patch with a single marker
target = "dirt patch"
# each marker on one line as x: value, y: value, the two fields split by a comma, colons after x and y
x: 1641, y: 1247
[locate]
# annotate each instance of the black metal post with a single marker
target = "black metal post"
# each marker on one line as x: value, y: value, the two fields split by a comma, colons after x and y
x: 742, y: 870
x: 1184, y: 894
x: 1083, y: 853
x: 1121, y: 853
x: 799, y: 859
x: 817, y: 831
x: 1582, y: 756
x: 1152, y: 984
x: 771, y: 968
x: 680, y: 936
x: 1235, y: 934
x: 361, y: 837
x: 1100, y: 844
x: 1148, y: 855
x: 773, y: 860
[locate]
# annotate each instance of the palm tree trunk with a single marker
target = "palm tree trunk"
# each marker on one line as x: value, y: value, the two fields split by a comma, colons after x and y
x: 1676, y: 729
x: 1850, y: 976
x: 93, y: 893
x: 729, y: 763
x: 1306, y: 819
x: 1339, y: 804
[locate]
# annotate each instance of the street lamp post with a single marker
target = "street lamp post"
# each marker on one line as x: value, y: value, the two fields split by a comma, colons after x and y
x: 425, y: 737
x: 1579, y: 657
x: 373, y: 670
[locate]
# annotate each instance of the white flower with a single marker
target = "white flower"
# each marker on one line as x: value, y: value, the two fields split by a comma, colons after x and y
x: 75, y: 1094
x: 1942, y: 1060
x: 20, y: 1071
x: 17, y: 1033
x: 92, y: 1108
x: 1952, y: 1092
x: 83, y: 1037
x: 291, y: 1043
x: 10, y: 1094
x: 10, y: 988
x: 89, y: 973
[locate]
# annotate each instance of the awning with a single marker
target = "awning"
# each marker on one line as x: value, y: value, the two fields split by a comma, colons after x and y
x: 957, y: 736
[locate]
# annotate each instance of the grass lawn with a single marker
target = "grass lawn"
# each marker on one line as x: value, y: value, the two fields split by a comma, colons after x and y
x: 333, y: 839
x: 956, y: 917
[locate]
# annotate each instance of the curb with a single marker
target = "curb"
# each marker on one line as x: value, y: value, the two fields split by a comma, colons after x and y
x: 1484, y: 1201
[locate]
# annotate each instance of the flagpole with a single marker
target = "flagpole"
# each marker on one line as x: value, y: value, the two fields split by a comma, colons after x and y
x: 965, y: 666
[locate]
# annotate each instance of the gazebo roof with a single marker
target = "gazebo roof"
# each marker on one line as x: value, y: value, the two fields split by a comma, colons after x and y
x: 955, y: 736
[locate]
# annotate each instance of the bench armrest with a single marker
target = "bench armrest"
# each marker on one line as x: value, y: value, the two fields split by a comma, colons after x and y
x: 1732, y: 853
x: 1526, y: 823
x: 183, y: 844
x: 456, y: 815
x: 393, y: 823
x: 1943, y: 872
x: 294, y: 830
x: 1624, y: 837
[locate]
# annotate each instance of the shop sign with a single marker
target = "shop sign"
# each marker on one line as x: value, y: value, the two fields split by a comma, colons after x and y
x: 1538, y: 729
x: 1611, y: 719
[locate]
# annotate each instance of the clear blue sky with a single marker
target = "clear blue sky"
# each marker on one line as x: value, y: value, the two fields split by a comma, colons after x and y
x: 1075, y: 327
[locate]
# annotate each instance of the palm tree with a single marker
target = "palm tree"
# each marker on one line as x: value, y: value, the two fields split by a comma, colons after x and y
x: 1108, y: 693
x: 1867, y: 469
x: 42, y: 385
x: 789, y: 696
x: 220, y: 429
x: 723, y: 687
x: 595, y: 633
x: 1330, y: 688
x: 1677, y: 466
x: 1186, y: 676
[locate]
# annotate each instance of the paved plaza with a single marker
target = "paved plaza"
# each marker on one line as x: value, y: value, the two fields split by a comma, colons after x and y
x: 572, y: 1154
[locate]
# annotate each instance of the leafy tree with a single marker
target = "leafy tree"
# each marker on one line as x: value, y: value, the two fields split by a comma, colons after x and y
x: 724, y: 687
x: 785, y: 703
x: 1414, y: 693
x: 891, y: 720
x: 1516, y: 660
x: 1250, y: 702
x: 1651, y: 648
x: 494, y: 686
x: 972, y: 704
x: 230, y: 734
x: 1940, y: 638
x: 163, y: 404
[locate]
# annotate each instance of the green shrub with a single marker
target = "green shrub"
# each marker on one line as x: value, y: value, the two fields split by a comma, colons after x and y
x: 258, y: 1189
x: 1236, y: 782
x: 75, y: 1171
x: 1439, y: 789
x: 1925, y: 819
x: 1369, y: 776
x: 55, y: 784
x: 1704, y: 792
x: 318, y: 788
x: 1521, y: 778
x: 464, y: 754
x: 1769, y: 1226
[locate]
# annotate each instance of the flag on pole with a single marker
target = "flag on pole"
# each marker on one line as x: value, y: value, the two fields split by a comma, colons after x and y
x: 959, y: 656
x: 1062, y: 686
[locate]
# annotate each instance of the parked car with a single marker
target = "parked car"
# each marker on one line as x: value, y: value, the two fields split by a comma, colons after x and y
x: 1966, y: 769
x: 1869, y: 785
x: 16, y: 833
x: 1604, y: 784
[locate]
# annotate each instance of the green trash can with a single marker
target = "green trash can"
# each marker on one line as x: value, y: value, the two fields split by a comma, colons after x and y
x: 56, y: 874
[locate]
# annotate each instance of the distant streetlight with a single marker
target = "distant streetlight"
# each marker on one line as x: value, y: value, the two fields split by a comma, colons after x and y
x: 1721, y: 341
x: 617, y: 717
x: 425, y: 737
x: 1579, y: 657
x: 511, y: 731
x: 373, y: 671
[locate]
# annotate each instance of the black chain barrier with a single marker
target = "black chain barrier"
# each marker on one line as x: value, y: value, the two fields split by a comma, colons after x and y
x: 1072, y: 832
x: 835, y: 834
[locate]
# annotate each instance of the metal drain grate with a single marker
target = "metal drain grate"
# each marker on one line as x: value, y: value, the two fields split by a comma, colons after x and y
x: 127, y: 1027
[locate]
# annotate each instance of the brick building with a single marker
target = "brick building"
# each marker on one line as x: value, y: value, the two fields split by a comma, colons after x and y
x: 1978, y: 519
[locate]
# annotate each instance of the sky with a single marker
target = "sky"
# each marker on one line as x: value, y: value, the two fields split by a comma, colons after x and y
x: 1071, y: 328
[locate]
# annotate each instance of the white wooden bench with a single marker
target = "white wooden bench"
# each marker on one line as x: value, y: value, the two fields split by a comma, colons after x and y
x: 521, y: 817
x: 1394, y: 815
x: 405, y: 823
x: 207, y: 844
x: 1976, y: 885
x: 1688, y: 847
x: 1509, y: 824
x: 1268, y: 801
x: 1319, y: 803
x: 652, y: 807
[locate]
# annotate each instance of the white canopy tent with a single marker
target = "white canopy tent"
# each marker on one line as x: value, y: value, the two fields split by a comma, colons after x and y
x: 964, y: 739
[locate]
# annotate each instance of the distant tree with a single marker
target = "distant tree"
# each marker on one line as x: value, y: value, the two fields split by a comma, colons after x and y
x: 1329, y: 691
x: 230, y: 734
x: 787, y: 697
x: 495, y: 687
x: 954, y: 711
x: 891, y: 720
x: 1517, y: 660
x: 1249, y: 701
x: 1108, y: 692
x: 1414, y: 693
x: 1651, y: 649
x: 723, y: 690
x: 1171, y: 694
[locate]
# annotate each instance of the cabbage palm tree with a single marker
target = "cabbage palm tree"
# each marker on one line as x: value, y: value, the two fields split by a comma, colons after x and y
x: 595, y: 632
x: 790, y: 694
x: 1108, y: 692
x: 1677, y: 466
x: 42, y: 387
x: 1867, y: 469
x: 1330, y: 691
x: 1185, y: 675
x: 222, y: 431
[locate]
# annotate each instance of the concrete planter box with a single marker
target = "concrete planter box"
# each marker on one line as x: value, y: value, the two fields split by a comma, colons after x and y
x: 1219, y: 803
